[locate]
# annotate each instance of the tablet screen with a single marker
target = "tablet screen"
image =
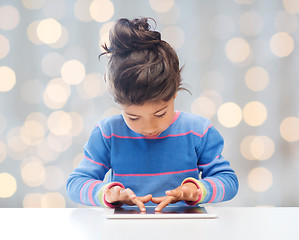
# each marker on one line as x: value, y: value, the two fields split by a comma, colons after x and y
x: 166, y: 210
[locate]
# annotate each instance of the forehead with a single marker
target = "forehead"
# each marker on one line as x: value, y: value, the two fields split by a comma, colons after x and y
x: 146, y: 108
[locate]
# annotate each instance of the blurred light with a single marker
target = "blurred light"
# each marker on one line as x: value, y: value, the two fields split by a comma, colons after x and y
x: 52, y: 63
x: 38, y: 117
x: 8, y: 185
x: 32, y: 33
x: 32, y: 133
x: 104, y: 34
x: 55, y: 9
x: 73, y: 72
x: 81, y: 10
x: 77, y: 124
x: 32, y: 200
x: 110, y: 112
x: 15, y: 141
x: 174, y: 36
x: 56, y: 93
x: 3, y: 151
x: 59, y: 143
x: 33, y: 4
x: 8, y: 79
x: 260, y: 179
x: 2, y: 123
x: 54, y: 178
x: 282, y: 44
x: 64, y: 37
x: 53, y: 200
x: 170, y: 17
x: 203, y: 106
x: 257, y: 78
x: 254, y: 113
x: 33, y: 174
x: 4, y: 47
x: 49, y: 31
x: 291, y: 6
x: 229, y: 114
x: 92, y: 86
x: 77, y: 160
x: 237, y: 50
x: 244, y: 2
x: 31, y: 91
x: 101, y: 10
x: 289, y: 129
x: 262, y: 147
x: 9, y: 17
x: 76, y: 52
x: 60, y: 123
x: 222, y: 26
x: 251, y: 23
x: 213, y: 79
x: 285, y: 22
x: 45, y: 152
x: 245, y: 148
x: 201, y: 49
x: 161, y: 5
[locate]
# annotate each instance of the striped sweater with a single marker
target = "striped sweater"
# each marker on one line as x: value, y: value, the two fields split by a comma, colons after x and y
x: 190, y: 149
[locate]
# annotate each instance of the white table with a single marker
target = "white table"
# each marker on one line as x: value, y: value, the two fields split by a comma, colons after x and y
x: 89, y: 223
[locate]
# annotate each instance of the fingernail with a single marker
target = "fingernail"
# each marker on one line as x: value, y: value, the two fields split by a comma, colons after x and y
x: 143, y: 209
x: 157, y: 209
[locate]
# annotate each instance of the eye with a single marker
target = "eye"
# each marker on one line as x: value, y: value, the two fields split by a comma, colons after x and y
x: 161, y: 115
x: 133, y: 119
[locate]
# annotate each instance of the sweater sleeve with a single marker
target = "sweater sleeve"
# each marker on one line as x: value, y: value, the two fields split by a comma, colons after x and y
x: 218, y: 180
x: 85, y: 185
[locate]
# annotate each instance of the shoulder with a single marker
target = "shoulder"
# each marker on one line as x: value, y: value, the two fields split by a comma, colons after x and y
x: 114, y: 124
x: 195, y: 123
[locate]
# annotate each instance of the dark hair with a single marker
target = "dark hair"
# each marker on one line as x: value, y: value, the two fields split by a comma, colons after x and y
x: 141, y: 67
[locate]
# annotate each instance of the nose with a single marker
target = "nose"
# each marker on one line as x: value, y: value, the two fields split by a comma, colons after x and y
x: 149, y: 129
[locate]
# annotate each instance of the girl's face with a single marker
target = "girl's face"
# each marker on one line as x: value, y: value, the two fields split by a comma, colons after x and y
x: 149, y: 119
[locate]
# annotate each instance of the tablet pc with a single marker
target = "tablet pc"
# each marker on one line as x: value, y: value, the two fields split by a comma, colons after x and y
x: 131, y: 212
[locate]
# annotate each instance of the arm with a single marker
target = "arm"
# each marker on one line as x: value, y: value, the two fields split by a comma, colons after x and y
x: 85, y: 185
x: 219, y: 182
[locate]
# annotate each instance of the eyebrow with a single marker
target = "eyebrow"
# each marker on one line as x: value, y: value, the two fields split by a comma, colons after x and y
x: 153, y: 113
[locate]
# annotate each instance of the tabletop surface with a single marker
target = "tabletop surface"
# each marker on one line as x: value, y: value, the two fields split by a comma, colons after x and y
x: 89, y: 223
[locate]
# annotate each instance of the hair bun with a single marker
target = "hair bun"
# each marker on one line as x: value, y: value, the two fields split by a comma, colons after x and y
x: 127, y: 36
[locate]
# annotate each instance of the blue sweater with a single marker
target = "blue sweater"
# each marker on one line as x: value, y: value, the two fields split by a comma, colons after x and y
x: 190, y: 146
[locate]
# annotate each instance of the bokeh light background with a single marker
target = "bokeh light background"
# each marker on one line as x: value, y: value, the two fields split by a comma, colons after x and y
x: 241, y: 64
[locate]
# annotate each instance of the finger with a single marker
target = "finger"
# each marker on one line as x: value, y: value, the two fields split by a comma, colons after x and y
x: 175, y: 193
x: 127, y: 194
x: 157, y: 200
x: 164, y: 203
x: 131, y: 197
x: 139, y: 203
x: 146, y: 198
x: 112, y: 194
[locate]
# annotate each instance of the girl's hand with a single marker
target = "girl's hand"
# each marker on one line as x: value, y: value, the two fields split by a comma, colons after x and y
x: 185, y: 192
x: 126, y: 196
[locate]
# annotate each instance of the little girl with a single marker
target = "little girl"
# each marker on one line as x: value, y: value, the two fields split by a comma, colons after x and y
x: 155, y: 154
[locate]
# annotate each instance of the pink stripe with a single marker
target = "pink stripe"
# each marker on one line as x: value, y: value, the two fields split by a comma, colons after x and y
x: 154, y: 174
x: 82, y: 189
x: 101, y: 164
x: 170, y: 135
x: 90, y: 189
x: 200, y: 165
x: 223, y: 190
x: 214, y: 189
